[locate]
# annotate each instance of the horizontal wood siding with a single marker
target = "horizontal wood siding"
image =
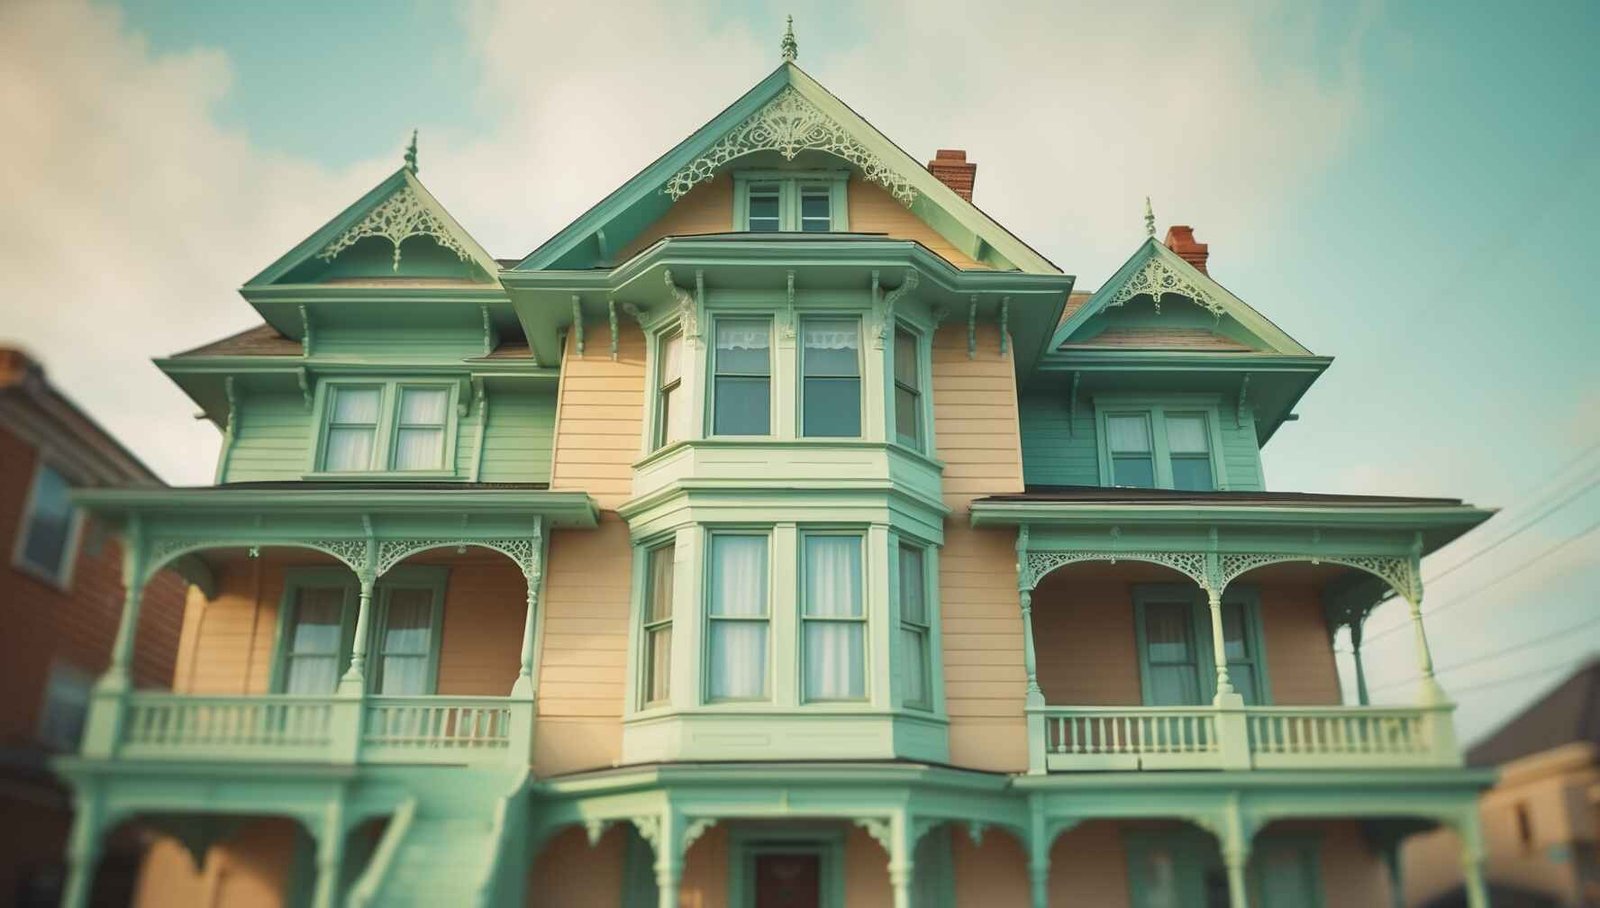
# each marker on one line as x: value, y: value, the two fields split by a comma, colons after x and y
x: 600, y: 419
x: 975, y: 426
x: 1053, y: 454
x: 1300, y: 661
x: 480, y: 643
x: 1083, y: 634
x: 873, y: 210
x: 272, y: 438
x: 253, y: 867
x: 1241, y: 453
x: 517, y: 445
x: 708, y: 208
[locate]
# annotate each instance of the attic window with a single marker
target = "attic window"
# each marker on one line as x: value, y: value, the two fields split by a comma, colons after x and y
x: 790, y: 202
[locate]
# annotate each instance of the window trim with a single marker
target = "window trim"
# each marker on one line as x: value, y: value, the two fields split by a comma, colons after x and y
x: 790, y: 183
x: 924, y: 417
x: 1200, y: 623
x: 386, y: 435
x: 860, y: 377
x: 801, y: 600
x: 294, y: 580
x: 62, y: 578
x: 1198, y: 853
x: 900, y: 544
x: 707, y: 575
x: 433, y: 577
x: 710, y: 428
x: 1156, y: 410
x: 436, y: 580
x: 647, y: 552
x: 745, y: 844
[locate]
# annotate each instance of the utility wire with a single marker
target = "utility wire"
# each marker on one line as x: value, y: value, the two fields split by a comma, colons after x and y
x: 1512, y: 679
x: 1526, y: 644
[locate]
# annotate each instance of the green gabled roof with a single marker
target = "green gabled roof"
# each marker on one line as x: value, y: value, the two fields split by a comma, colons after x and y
x: 435, y: 221
x: 643, y: 199
x: 1154, y: 270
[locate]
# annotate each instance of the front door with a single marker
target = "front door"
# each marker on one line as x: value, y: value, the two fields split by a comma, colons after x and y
x: 788, y: 880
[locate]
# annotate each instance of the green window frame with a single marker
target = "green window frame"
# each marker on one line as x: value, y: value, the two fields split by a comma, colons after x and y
x: 741, y: 388
x: 834, y: 632
x: 909, y: 401
x: 1184, y: 867
x: 823, y: 415
x: 914, y: 609
x: 738, y: 610
x: 655, y: 623
x: 1184, y: 610
x: 747, y: 845
x: 383, y: 642
x: 671, y: 416
x: 1174, y: 444
x: 786, y: 201
x: 47, y: 538
x: 396, y: 431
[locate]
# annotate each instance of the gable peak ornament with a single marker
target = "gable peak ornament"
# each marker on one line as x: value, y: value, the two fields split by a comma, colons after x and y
x: 1149, y: 218
x: 411, y: 153
x: 791, y: 49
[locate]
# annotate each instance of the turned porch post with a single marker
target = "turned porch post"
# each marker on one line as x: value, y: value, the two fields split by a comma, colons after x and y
x: 1034, y: 698
x: 1356, y: 625
x: 103, y: 725
x: 534, y: 573
x: 354, y: 681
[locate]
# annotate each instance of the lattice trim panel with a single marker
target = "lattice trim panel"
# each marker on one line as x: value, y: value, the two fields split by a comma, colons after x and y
x: 400, y: 217
x: 1156, y: 277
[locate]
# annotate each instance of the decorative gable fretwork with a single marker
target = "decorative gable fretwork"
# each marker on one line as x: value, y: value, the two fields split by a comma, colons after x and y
x: 790, y: 124
x: 400, y: 217
x: 1156, y: 277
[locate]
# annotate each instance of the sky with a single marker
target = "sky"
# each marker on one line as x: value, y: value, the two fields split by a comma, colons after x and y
x: 1408, y: 187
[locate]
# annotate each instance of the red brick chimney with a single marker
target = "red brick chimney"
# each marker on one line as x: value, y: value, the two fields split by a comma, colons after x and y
x: 951, y: 167
x: 1180, y: 239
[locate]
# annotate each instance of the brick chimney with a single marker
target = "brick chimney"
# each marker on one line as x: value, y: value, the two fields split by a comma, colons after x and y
x: 951, y: 167
x: 1180, y: 239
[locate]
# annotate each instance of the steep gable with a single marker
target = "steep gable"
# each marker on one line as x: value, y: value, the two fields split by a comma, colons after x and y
x: 786, y: 117
x: 397, y: 231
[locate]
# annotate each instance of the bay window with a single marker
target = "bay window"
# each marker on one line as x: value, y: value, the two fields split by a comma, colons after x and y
x: 741, y: 385
x: 833, y: 619
x: 671, y: 413
x: 738, y: 617
x: 657, y: 623
x: 907, y: 390
x: 915, y: 628
x: 830, y: 386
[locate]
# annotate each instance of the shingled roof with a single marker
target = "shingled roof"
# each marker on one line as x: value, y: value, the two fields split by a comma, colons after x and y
x: 1567, y: 714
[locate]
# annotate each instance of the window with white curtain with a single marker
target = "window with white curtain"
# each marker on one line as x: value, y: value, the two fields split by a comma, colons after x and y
x: 738, y: 617
x: 672, y: 416
x: 741, y: 385
x: 1159, y: 445
x: 773, y: 202
x: 915, y: 627
x: 658, y: 623
x: 48, y: 526
x: 1189, y: 448
x: 424, y: 414
x: 353, y: 413
x: 1177, y: 661
x: 388, y: 426
x: 907, y: 390
x: 314, y: 644
x: 404, y: 644
x: 1133, y: 460
x: 833, y: 618
x: 830, y: 390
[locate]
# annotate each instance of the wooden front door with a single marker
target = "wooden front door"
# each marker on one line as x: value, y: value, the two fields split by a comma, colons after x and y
x: 788, y: 880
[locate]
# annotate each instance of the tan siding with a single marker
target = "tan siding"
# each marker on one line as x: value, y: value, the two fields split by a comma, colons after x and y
x: 1084, y: 635
x: 480, y: 641
x: 993, y: 874
x: 1089, y: 866
x: 708, y: 208
x: 251, y: 869
x: 600, y: 418
x: 873, y: 210
x: 1300, y: 662
x: 568, y: 873
x: 227, y: 642
x: 583, y: 669
x: 982, y: 624
x: 705, y: 870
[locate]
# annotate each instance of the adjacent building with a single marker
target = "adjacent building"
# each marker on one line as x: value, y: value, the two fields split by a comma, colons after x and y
x: 782, y: 531
x: 60, y: 600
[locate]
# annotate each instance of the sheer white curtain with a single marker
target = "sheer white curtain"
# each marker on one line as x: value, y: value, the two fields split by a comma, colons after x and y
x: 1128, y: 434
x: 311, y: 665
x: 419, y: 439
x: 406, y: 643
x: 1187, y: 435
x: 352, y: 426
x: 835, y: 629
x: 738, y: 617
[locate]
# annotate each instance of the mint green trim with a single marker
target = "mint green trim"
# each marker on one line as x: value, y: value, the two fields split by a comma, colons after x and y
x: 639, y: 888
x: 709, y: 427
x: 1200, y: 634
x: 295, y: 580
x: 745, y: 844
x: 1155, y: 409
x: 865, y: 621
x: 1195, y: 853
x: 708, y: 572
x: 789, y: 184
x: 862, y: 374
x: 1307, y: 847
x: 386, y: 433
x: 315, y: 506
x: 923, y: 342
x: 433, y: 578
x: 644, y: 558
x: 932, y: 665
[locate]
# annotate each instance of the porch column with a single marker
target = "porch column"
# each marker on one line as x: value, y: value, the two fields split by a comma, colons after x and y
x: 330, y: 857
x: 1430, y: 693
x: 523, y: 688
x: 1397, y: 883
x: 1034, y: 699
x: 1236, y: 833
x: 354, y: 681
x: 1356, y: 626
x: 1226, y: 696
x: 669, y: 857
x: 901, y: 858
x: 103, y: 725
x: 1039, y: 841
x: 1471, y: 836
x: 83, y: 849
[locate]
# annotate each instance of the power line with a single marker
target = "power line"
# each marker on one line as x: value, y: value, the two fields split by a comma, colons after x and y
x: 1526, y: 644
x: 1512, y: 679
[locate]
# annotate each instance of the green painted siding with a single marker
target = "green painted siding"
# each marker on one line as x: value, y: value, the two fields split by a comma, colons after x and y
x: 273, y: 440
x: 1051, y: 455
x: 398, y: 344
x: 520, y: 436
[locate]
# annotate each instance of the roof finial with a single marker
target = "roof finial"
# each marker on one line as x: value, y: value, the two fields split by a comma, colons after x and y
x: 1149, y: 218
x: 790, y: 48
x: 411, y: 153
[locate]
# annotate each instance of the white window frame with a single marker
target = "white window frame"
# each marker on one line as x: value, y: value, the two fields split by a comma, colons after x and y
x: 803, y: 618
x: 61, y: 577
x: 862, y: 375
x: 1156, y: 411
x: 789, y: 184
x: 734, y: 315
x: 386, y: 435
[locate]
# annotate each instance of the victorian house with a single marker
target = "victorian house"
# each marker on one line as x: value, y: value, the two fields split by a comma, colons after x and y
x: 783, y: 531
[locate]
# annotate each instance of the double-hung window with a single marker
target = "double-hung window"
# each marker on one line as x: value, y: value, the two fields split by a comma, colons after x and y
x: 738, y: 617
x: 49, y: 527
x: 915, y: 628
x: 833, y: 618
x: 671, y: 413
x: 907, y: 390
x: 318, y: 632
x: 1176, y: 657
x: 657, y: 624
x: 314, y: 639
x: 830, y: 388
x: 404, y: 644
x: 765, y: 207
x: 388, y: 426
x: 1156, y: 447
x: 816, y: 208
x: 742, y: 377
x: 775, y: 201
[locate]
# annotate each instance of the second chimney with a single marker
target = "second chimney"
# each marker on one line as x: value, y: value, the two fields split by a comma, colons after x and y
x: 1180, y: 239
x: 951, y: 167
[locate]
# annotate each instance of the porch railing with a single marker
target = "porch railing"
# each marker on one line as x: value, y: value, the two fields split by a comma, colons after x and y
x: 1253, y: 737
x: 145, y: 725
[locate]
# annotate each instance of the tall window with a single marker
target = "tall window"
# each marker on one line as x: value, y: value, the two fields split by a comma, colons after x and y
x: 671, y: 414
x: 353, y: 414
x: 764, y: 211
x: 49, y: 525
x: 314, y: 640
x: 742, y: 381
x: 658, y: 624
x: 1133, y: 462
x: 914, y: 627
x: 907, y: 390
x: 404, y: 646
x: 831, y: 378
x: 833, y: 620
x: 738, y: 616
x: 1189, y: 446
x: 1172, y: 660
x: 419, y: 435
x: 816, y: 204
x: 1177, y: 660
x: 1240, y: 648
